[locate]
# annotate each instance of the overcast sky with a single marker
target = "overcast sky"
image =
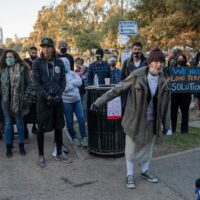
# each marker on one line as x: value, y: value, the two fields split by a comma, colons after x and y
x: 19, y: 16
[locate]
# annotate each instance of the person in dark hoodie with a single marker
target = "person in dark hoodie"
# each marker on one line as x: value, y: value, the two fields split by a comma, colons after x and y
x: 180, y: 100
x: 62, y: 46
x: 136, y: 61
x: 50, y: 82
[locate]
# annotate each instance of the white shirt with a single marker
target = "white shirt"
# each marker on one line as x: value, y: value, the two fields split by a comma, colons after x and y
x: 137, y: 64
x: 153, y: 84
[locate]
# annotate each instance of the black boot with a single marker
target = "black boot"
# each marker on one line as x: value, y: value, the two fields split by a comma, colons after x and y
x: 9, y: 151
x: 21, y: 149
x: 25, y: 132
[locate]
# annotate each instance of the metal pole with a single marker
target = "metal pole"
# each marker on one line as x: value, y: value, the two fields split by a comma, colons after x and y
x: 122, y: 6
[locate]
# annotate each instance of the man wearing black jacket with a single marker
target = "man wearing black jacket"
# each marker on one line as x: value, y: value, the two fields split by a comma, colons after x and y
x: 49, y: 79
x: 30, y: 118
x: 136, y: 61
x: 62, y: 46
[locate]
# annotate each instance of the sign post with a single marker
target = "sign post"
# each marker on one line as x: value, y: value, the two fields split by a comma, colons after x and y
x: 126, y: 28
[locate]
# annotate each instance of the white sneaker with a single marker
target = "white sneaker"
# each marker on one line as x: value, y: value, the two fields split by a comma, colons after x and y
x: 169, y: 132
x: 54, y: 153
x: 147, y: 175
x: 77, y: 142
x: 84, y: 142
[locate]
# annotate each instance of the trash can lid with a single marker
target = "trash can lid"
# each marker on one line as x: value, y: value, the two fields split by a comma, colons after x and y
x: 101, y: 87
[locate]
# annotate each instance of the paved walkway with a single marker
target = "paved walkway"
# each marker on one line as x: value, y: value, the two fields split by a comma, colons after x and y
x: 93, y: 178
x: 195, y: 124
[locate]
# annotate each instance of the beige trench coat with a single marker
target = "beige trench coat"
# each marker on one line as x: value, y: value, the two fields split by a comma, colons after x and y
x: 134, y: 120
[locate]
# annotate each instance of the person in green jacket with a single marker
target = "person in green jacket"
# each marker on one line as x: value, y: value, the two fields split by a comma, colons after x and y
x: 147, y: 108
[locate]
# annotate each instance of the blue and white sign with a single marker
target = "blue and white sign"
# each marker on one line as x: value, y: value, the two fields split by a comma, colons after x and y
x: 128, y: 28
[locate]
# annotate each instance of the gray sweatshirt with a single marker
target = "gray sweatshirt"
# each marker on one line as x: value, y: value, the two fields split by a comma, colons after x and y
x: 71, y: 93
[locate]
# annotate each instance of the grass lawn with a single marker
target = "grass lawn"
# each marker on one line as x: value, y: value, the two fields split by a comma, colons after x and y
x: 178, y: 142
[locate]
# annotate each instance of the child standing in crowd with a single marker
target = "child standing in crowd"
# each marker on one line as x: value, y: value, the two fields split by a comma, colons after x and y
x: 72, y: 104
x: 15, y: 82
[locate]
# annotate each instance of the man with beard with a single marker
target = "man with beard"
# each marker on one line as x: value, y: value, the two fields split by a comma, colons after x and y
x: 62, y: 46
x: 33, y: 54
x: 31, y: 117
x: 136, y: 60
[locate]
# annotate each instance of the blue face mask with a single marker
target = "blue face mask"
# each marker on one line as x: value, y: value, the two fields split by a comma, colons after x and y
x: 10, y: 61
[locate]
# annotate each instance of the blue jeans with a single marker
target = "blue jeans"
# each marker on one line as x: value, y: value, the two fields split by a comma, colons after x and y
x: 8, y: 126
x: 69, y: 109
x: 84, y: 104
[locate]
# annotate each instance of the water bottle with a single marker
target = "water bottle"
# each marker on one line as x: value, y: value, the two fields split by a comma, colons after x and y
x: 96, y: 80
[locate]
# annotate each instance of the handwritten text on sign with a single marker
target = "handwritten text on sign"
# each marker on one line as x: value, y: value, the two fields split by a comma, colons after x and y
x: 114, y: 109
x: 185, y: 80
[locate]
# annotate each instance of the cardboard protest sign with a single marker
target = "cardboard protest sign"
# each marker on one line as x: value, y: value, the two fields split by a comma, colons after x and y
x: 114, y: 109
x: 185, y: 79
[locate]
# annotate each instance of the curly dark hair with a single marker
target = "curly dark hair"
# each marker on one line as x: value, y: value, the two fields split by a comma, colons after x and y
x: 17, y: 59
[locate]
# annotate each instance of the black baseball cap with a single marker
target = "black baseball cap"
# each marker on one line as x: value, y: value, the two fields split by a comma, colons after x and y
x: 47, y: 42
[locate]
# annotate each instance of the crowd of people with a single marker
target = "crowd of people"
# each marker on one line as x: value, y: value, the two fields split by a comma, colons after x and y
x: 46, y: 90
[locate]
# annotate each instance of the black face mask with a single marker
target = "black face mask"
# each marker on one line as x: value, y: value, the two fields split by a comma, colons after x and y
x: 99, y: 58
x: 137, y: 54
x: 112, y: 64
x: 63, y: 50
x: 33, y: 57
x: 181, y: 63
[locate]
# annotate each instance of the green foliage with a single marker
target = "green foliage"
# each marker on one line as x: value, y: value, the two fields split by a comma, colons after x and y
x: 88, y: 39
x: 93, y: 23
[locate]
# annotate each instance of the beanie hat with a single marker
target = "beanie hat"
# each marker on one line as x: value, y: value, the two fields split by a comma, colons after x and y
x: 100, y: 52
x: 156, y: 55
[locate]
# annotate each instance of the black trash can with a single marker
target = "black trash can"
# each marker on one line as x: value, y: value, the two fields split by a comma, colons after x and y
x: 106, y: 137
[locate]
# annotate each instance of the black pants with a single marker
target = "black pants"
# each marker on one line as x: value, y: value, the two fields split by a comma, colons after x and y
x: 182, y: 101
x: 26, y: 134
x: 57, y: 138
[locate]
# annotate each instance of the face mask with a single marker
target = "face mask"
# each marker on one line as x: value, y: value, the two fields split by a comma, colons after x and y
x: 10, y: 61
x: 112, y: 64
x: 63, y: 50
x: 181, y: 63
x: 137, y: 54
x: 98, y: 58
x: 33, y: 57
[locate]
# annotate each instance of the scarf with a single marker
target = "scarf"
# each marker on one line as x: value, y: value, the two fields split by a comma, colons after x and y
x: 11, y: 88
